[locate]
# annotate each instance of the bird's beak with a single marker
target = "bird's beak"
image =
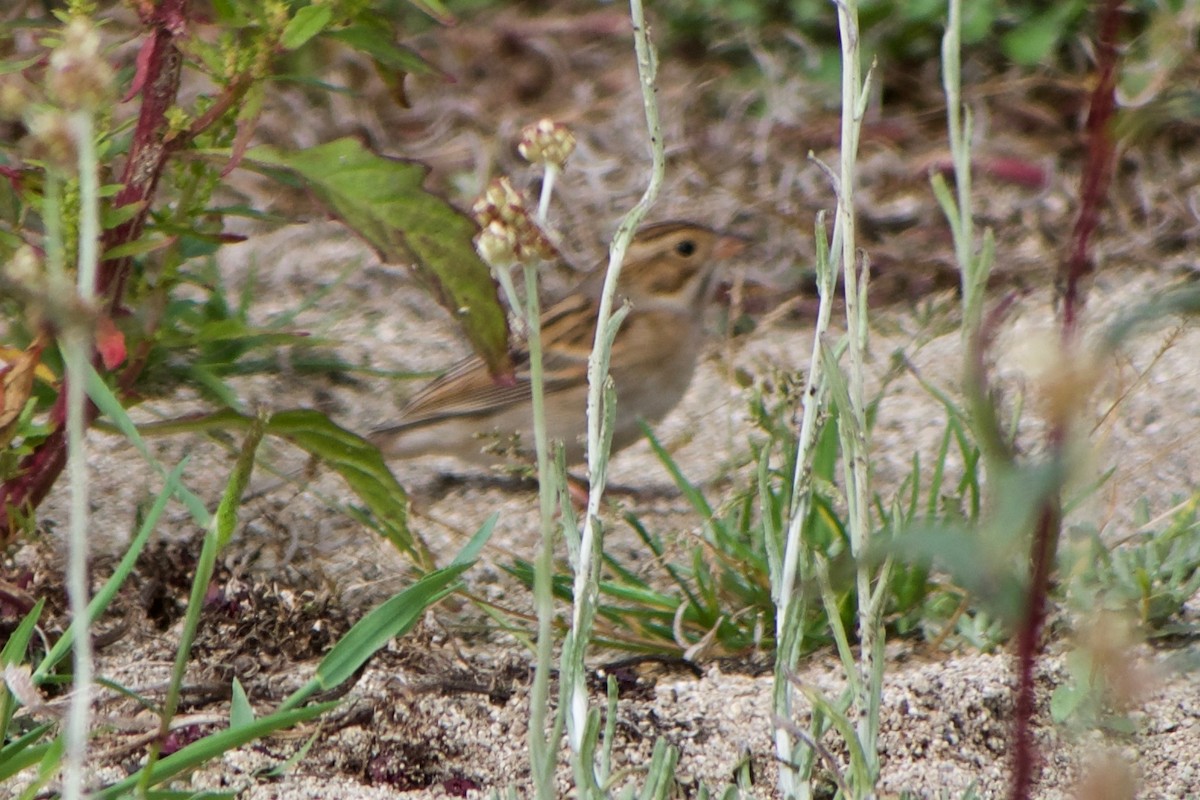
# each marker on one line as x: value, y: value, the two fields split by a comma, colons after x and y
x: 729, y: 245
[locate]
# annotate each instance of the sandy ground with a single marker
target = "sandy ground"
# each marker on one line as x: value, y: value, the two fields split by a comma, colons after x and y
x: 443, y: 712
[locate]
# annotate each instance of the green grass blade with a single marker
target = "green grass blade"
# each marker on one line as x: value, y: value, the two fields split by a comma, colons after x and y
x: 392, y: 618
x: 211, y: 748
x: 21, y: 753
x: 122, y: 572
x: 18, y: 641
x: 111, y: 407
x: 686, y: 487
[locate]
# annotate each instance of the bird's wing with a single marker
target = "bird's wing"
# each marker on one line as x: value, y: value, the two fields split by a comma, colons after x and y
x: 469, y: 389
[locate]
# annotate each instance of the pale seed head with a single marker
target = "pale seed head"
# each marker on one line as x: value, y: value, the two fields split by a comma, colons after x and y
x: 547, y: 142
x: 79, y: 77
x: 497, y: 245
x: 509, y: 232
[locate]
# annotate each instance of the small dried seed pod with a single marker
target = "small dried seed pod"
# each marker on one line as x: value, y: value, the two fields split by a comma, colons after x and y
x: 500, y: 201
x: 497, y: 245
x: 547, y: 142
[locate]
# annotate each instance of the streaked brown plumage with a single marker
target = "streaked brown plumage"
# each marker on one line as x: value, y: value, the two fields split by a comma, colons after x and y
x: 666, y: 279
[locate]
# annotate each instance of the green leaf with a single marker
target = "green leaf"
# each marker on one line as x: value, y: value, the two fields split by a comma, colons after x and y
x: 308, y: 22
x: 1033, y: 40
x: 18, y: 640
x: 111, y: 407
x: 392, y: 618
x: 138, y: 247
x: 241, y: 713
x: 977, y: 21
x: 111, y: 217
x: 48, y: 765
x: 228, y: 13
x: 383, y: 200
x: 360, y: 465
x: 374, y: 38
x: 1065, y: 701
x: 355, y: 459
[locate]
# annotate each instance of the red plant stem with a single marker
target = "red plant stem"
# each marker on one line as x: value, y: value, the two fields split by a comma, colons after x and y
x: 1097, y: 176
x: 160, y: 67
x: 1097, y: 169
x: 150, y: 149
x: 1029, y: 638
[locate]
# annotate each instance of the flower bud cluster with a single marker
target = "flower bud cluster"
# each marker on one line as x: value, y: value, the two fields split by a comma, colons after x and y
x: 76, y: 78
x: 79, y: 76
x: 508, y: 232
x: 547, y: 142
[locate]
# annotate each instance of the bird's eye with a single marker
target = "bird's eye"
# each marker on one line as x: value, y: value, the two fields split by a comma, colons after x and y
x: 685, y: 248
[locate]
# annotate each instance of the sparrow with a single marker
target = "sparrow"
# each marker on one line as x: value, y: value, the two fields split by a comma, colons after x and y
x: 667, y: 278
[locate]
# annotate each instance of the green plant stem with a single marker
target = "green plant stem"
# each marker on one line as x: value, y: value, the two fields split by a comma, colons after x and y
x: 216, y: 536
x: 958, y: 130
x: 82, y: 125
x: 76, y: 343
x: 973, y: 268
x: 541, y: 751
x: 793, y: 751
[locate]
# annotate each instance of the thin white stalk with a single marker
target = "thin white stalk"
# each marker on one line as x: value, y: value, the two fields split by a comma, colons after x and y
x: 76, y: 341
x: 89, y: 205
x: 855, y: 441
x: 542, y: 748
x: 541, y: 751
x: 549, y: 178
x: 789, y: 629
x: 587, y: 573
x: 855, y: 446
x: 516, y: 308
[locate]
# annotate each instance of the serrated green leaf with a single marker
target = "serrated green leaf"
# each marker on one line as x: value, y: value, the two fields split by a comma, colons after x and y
x: 308, y: 22
x: 384, y: 201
